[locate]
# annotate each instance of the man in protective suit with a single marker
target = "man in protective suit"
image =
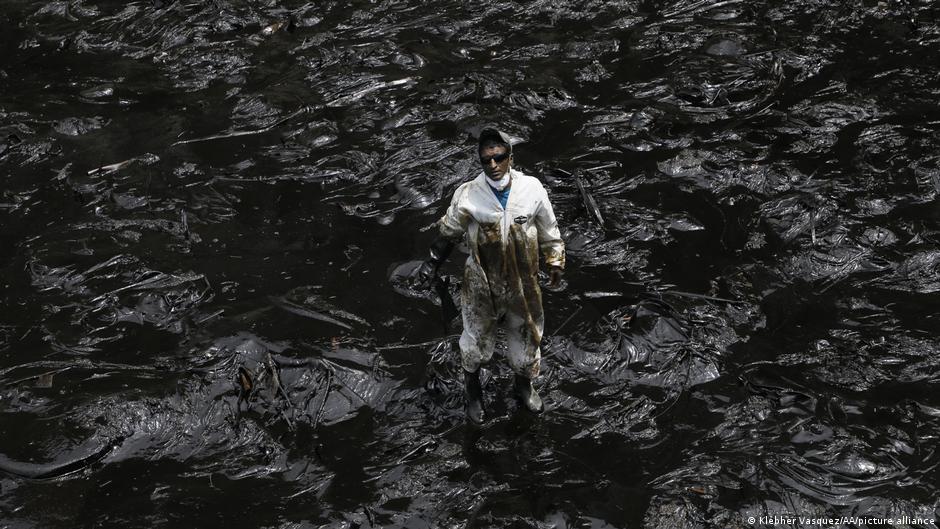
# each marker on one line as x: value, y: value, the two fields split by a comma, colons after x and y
x: 507, y: 219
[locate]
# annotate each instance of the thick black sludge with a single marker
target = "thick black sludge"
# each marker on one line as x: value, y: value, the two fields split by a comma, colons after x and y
x: 208, y: 209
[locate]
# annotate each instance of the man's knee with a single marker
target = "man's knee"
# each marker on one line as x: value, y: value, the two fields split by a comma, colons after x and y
x: 525, y: 361
x: 475, y: 349
x: 529, y: 369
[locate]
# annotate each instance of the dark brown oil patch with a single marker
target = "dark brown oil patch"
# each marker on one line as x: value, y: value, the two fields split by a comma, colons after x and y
x: 524, y: 269
x: 492, y: 258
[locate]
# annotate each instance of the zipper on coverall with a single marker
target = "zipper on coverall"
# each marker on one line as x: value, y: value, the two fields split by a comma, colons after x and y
x: 505, y: 226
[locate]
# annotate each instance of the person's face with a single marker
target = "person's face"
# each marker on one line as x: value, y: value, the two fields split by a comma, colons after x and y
x: 495, y: 160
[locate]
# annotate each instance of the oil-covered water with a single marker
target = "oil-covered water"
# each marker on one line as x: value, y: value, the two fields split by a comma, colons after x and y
x: 208, y: 210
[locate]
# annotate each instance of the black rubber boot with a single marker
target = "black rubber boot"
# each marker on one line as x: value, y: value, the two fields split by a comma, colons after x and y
x: 527, y: 394
x: 474, y: 395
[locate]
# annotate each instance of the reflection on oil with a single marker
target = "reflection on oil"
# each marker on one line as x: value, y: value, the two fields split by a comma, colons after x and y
x: 208, y: 210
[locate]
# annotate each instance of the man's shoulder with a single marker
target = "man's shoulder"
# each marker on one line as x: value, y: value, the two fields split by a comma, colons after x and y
x: 525, y: 177
x: 531, y: 183
x: 463, y: 190
x: 464, y: 186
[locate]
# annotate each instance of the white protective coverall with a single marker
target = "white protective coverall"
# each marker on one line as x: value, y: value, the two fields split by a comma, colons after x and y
x: 500, y: 280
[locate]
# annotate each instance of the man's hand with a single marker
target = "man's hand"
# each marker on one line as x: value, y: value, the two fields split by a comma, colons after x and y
x: 554, y: 274
x: 424, y: 275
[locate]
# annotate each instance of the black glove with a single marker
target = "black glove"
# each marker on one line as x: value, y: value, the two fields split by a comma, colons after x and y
x: 440, y: 249
x: 425, y: 274
x: 554, y: 274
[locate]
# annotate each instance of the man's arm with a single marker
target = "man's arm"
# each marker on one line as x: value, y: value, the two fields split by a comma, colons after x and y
x: 451, y: 227
x: 549, y: 236
x: 455, y: 221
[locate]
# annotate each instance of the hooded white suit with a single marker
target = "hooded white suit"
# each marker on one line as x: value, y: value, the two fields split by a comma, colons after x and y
x: 500, y: 281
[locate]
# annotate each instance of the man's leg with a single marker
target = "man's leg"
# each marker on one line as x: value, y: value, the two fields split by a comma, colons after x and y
x: 523, y: 337
x: 478, y: 338
x: 476, y: 347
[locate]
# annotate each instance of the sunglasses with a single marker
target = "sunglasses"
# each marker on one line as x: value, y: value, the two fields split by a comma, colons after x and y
x: 498, y: 158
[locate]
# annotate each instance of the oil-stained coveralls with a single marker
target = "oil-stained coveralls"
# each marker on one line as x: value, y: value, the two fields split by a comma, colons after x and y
x: 500, y: 280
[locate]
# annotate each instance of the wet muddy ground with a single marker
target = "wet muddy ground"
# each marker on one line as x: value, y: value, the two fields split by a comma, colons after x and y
x: 207, y: 209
